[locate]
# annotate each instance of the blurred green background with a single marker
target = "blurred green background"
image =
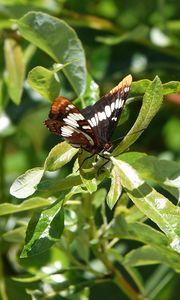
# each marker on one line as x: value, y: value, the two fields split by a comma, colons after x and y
x: 137, y: 37
x: 119, y: 37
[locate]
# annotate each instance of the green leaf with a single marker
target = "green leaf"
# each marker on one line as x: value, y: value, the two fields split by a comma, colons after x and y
x: 92, y: 93
x: 158, y: 281
x: 153, y: 204
x: 99, y: 197
x: 60, y: 155
x: 87, y: 171
x: 60, y: 41
x: 137, y: 33
x: 32, y: 203
x: 131, y: 157
x: 136, y: 231
x: 143, y: 233
x: 152, y: 101
x: 139, y: 87
x: 171, y: 87
x: 115, y: 189
x: 147, y: 255
x: 134, y: 214
x: 44, y: 82
x: 90, y: 184
x: 160, y: 171
x: 163, y: 172
x: 49, y: 187
x: 44, y: 229
x: 82, y: 244
x: 15, y: 236
x: 25, y: 185
x: 15, y: 69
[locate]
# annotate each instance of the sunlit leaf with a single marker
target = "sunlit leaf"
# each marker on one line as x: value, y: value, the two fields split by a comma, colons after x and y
x: 171, y: 87
x: 15, y: 69
x: 152, y: 101
x: 90, y: 184
x: 131, y: 157
x: 147, y: 255
x: 161, y: 171
x: 153, y: 204
x: 87, y: 171
x: 44, y: 82
x: 32, y: 203
x: 25, y: 185
x: 60, y: 155
x: 139, y: 87
x: 115, y: 189
x: 44, y: 229
x: 136, y: 231
x: 60, y: 41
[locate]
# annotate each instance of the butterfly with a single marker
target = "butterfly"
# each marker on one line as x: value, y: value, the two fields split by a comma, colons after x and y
x: 90, y: 128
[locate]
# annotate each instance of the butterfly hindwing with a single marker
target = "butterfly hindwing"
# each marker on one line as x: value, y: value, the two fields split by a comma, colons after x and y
x: 66, y: 120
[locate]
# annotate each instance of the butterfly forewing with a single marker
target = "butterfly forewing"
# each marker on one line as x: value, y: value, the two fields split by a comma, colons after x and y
x: 103, y: 116
x: 67, y: 121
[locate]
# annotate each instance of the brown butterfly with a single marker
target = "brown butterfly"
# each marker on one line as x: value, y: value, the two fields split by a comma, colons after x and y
x: 90, y: 128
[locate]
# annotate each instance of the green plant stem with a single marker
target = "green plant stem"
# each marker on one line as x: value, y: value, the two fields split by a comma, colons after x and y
x: 99, y: 250
x: 3, y: 294
x: 2, y: 170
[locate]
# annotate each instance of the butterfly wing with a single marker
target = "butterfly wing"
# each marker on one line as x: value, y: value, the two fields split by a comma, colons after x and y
x: 90, y: 128
x: 103, y: 116
x: 66, y: 120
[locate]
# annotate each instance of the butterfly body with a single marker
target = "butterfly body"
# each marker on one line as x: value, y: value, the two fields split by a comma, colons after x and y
x: 92, y: 127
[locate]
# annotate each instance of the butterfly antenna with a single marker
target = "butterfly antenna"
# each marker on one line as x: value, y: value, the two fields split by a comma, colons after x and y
x: 121, y: 137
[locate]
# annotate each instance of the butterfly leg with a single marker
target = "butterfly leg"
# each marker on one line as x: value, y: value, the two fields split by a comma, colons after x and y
x: 106, y: 162
x: 85, y: 160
